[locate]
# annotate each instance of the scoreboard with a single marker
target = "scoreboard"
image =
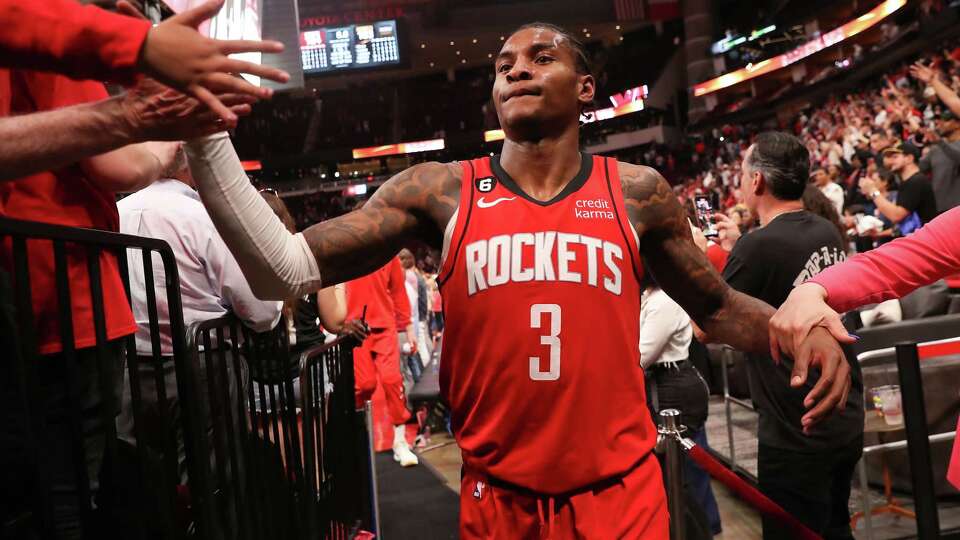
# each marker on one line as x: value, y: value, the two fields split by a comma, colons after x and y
x: 350, y: 47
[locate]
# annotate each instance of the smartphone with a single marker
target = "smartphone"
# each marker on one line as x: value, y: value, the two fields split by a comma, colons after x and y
x: 705, y: 219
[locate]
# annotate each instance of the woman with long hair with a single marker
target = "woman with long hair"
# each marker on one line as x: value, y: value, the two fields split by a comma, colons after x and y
x: 816, y: 202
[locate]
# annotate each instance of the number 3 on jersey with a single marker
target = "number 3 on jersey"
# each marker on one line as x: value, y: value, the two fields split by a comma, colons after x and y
x: 537, y: 311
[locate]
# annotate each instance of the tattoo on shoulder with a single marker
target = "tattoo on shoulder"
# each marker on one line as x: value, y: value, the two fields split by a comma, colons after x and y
x: 666, y: 244
x: 416, y: 204
x: 650, y: 202
x: 429, y: 190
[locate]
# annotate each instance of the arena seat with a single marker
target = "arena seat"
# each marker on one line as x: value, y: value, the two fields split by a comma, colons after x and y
x: 427, y: 388
x: 918, y: 330
x: 425, y: 396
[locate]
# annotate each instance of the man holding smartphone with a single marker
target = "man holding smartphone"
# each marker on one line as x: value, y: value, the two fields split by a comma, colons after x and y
x: 808, y: 469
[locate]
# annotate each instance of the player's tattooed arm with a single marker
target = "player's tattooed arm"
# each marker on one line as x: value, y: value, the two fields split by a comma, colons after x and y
x: 682, y: 269
x: 684, y: 273
x: 416, y: 204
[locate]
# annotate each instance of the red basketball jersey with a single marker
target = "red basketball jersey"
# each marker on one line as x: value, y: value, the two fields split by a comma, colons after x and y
x: 540, y: 360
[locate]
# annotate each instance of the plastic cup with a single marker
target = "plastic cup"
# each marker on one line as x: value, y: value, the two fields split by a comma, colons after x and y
x: 891, y: 405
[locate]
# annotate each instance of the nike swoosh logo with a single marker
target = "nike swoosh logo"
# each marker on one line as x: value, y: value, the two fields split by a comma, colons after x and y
x: 484, y: 204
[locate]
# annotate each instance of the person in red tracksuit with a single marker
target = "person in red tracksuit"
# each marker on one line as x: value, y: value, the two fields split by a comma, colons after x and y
x: 381, y: 297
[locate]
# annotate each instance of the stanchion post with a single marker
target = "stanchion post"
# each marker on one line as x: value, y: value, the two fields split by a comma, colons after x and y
x: 671, y: 445
x: 372, y: 460
x: 918, y: 443
x: 724, y: 358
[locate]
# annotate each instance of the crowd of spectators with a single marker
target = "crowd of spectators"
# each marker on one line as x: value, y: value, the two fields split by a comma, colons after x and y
x: 846, y: 136
x: 850, y: 139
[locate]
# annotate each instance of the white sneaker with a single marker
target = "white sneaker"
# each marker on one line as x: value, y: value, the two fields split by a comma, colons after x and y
x: 401, y: 450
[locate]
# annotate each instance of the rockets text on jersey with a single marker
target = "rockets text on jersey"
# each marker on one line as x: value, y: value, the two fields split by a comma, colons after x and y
x: 540, y: 363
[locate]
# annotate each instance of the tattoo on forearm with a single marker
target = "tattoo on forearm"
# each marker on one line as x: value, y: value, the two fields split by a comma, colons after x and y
x: 413, y: 205
x: 682, y: 270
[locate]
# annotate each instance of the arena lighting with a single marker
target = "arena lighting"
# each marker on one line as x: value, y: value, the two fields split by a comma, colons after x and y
x: 732, y: 42
x: 611, y: 112
x: 356, y: 190
x: 494, y: 135
x: 399, y: 148
x: 251, y: 165
x: 848, y: 30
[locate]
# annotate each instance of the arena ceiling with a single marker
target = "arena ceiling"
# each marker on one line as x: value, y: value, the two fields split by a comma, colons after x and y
x: 446, y: 35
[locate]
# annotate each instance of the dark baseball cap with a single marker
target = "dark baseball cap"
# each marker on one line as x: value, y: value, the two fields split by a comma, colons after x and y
x: 903, y: 147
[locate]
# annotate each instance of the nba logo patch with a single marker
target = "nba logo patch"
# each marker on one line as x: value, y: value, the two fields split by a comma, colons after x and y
x: 478, y: 491
x: 486, y: 184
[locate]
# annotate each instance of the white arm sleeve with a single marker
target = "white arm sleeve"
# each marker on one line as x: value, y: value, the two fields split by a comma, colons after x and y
x: 278, y: 265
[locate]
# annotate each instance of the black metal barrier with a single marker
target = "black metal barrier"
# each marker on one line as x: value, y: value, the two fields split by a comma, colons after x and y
x: 258, y: 461
x: 918, y: 442
x: 46, y: 403
x: 287, y: 447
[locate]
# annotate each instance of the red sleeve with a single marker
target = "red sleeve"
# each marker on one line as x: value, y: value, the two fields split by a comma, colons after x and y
x: 398, y: 292
x: 896, y: 268
x: 47, y: 91
x: 84, y: 42
x: 717, y: 256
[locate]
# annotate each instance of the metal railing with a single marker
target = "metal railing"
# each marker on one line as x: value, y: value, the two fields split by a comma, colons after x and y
x: 258, y: 461
x: 917, y: 443
x: 73, y: 250
x: 289, y: 451
x: 727, y: 354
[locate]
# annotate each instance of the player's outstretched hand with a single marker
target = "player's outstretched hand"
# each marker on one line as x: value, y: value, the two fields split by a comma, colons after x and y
x: 176, y: 54
x: 153, y: 112
x: 805, y: 309
x: 829, y: 395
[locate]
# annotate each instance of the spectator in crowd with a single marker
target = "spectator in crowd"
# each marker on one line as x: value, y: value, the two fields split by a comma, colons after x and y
x: 419, y: 303
x: 412, y: 364
x: 307, y: 319
x: 309, y: 316
x: 916, y: 204
x: 436, y: 309
x: 805, y: 470
x: 831, y: 189
x: 817, y: 202
x: 943, y: 163
x: 888, y: 272
x: 380, y: 299
x: 935, y: 80
x: 674, y: 383
x: 741, y: 217
x: 211, y: 285
x: 880, y: 230
x: 81, y: 194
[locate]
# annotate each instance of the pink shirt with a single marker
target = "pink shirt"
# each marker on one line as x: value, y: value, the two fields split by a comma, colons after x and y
x: 895, y: 269
x: 931, y: 253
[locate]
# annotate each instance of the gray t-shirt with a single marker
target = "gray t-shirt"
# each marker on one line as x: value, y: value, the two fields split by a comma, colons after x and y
x: 945, y: 173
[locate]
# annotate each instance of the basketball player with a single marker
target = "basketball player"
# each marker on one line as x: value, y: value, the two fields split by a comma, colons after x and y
x: 543, y: 251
